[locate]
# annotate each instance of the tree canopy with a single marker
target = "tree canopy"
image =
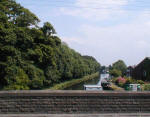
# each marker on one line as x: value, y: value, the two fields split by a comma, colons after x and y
x: 115, y: 73
x: 119, y: 67
x: 33, y: 57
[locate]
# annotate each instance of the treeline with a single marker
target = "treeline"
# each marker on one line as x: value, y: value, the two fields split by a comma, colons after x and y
x: 33, y: 57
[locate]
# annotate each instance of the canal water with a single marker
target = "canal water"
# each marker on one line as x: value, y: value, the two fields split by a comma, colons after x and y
x: 96, y: 81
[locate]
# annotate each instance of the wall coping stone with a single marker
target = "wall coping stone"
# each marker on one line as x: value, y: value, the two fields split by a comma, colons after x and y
x: 71, y: 93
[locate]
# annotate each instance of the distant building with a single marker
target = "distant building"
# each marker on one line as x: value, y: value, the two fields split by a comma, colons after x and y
x: 130, y: 71
x: 142, y: 70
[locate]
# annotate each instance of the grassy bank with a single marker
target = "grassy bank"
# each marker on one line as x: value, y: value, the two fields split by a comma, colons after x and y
x: 116, y: 88
x: 67, y: 84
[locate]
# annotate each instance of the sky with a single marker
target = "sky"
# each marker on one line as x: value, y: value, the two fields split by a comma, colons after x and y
x: 108, y: 30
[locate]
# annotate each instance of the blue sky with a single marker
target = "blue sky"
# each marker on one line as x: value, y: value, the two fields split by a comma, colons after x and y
x: 106, y: 29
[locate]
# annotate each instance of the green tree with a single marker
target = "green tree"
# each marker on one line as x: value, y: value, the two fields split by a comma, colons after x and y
x: 120, y: 65
x: 33, y: 57
x: 16, y: 78
x: 48, y: 29
x: 115, y: 73
x: 17, y: 14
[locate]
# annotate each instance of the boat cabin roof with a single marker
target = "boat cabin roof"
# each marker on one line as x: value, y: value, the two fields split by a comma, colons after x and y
x: 93, y: 86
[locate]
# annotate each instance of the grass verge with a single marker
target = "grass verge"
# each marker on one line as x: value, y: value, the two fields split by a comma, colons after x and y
x: 67, y: 84
x: 116, y: 88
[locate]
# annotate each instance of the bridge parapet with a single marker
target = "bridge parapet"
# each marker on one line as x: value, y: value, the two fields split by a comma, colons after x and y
x: 73, y: 102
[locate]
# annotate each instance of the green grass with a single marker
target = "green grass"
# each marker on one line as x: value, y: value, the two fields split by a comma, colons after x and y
x: 115, y: 87
x: 67, y: 84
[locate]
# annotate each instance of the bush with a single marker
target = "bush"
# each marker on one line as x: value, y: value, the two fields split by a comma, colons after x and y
x: 114, y: 80
x: 140, y: 82
x: 130, y: 81
x: 146, y: 87
x: 120, y: 81
x: 124, y: 82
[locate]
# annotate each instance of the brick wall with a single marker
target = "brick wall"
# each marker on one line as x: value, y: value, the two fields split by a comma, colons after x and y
x: 73, y: 102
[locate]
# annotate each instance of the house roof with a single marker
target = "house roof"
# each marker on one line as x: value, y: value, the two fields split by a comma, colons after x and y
x: 143, y: 61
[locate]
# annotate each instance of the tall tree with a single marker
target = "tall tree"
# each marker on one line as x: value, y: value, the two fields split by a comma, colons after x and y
x: 17, y: 14
x: 120, y: 65
x: 32, y: 57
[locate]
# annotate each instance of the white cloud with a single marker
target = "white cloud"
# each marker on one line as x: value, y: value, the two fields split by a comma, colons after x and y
x: 129, y: 41
x: 96, y: 9
x: 117, y: 37
x: 101, y: 3
x: 71, y: 40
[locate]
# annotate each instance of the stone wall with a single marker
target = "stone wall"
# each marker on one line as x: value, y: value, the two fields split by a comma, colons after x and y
x: 73, y: 102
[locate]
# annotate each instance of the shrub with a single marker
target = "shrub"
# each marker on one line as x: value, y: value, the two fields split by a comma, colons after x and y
x: 114, y: 80
x: 130, y: 81
x: 146, y: 87
x: 140, y: 82
x: 121, y: 81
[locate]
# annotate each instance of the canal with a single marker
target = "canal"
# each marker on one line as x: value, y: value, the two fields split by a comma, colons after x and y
x: 95, y: 81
